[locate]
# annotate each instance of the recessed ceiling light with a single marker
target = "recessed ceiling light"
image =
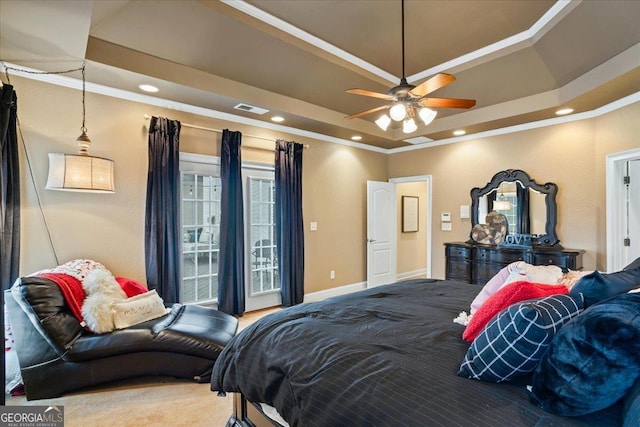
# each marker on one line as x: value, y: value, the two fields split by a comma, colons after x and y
x: 459, y: 132
x: 277, y: 119
x: 356, y: 137
x: 564, y: 111
x: 148, y: 88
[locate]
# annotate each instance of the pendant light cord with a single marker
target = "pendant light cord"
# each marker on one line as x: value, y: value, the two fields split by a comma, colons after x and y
x: 402, y: 17
x: 26, y: 152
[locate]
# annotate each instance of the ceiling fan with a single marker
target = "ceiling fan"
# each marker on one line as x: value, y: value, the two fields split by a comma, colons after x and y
x: 407, y: 99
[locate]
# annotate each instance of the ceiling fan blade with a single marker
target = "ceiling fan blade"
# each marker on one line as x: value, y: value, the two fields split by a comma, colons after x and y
x: 447, y: 102
x: 370, y: 93
x: 434, y: 83
x: 364, y: 113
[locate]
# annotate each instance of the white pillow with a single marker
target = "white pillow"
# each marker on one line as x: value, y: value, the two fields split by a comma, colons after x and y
x: 138, y: 309
x: 545, y: 274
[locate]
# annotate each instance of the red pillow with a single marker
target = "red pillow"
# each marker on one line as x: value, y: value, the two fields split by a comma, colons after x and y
x: 131, y: 287
x: 510, y: 294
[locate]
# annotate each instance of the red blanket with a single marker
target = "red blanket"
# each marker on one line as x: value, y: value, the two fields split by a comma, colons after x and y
x: 72, y: 291
x: 510, y: 294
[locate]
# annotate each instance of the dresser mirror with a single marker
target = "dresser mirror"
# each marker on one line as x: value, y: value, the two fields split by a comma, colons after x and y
x: 529, y: 207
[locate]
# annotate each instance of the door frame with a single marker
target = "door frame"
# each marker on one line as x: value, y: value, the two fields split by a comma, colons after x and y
x: 614, y: 200
x: 428, y: 213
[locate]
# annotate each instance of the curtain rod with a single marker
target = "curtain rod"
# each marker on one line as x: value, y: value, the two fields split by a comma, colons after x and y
x: 187, y: 125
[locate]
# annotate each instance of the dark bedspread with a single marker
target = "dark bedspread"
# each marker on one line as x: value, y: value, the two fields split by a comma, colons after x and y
x: 386, y: 356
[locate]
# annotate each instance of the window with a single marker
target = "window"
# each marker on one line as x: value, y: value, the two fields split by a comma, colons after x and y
x: 512, y: 213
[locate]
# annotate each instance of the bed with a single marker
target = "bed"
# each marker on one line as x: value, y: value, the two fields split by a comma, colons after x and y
x: 386, y: 356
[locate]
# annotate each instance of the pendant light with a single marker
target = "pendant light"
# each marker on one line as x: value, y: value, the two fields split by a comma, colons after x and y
x: 81, y: 172
x: 501, y: 204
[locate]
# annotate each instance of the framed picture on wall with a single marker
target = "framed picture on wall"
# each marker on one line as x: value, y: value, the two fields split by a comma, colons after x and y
x: 409, y: 214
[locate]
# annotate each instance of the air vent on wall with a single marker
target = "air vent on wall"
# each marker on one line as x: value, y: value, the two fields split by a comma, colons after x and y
x: 251, y: 109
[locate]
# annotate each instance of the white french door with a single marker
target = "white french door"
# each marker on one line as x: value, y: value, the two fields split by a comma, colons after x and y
x: 201, y: 189
x: 262, y: 283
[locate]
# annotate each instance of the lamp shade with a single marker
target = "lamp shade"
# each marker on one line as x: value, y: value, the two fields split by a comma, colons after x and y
x: 427, y: 115
x: 501, y: 205
x: 398, y: 112
x: 383, y: 122
x: 73, y: 172
x: 409, y: 126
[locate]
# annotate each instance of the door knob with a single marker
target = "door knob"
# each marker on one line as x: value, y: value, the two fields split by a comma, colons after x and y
x: 371, y: 240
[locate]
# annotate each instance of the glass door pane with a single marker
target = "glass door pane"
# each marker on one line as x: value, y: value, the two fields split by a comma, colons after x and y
x: 200, y: 234
x: 264, y: 261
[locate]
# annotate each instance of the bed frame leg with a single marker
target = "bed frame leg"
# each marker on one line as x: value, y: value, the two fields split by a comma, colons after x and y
x: 239, y: 412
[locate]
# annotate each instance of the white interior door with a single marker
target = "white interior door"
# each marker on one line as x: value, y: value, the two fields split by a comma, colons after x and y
x: 623, y: 209
x: 381, y: 233
x: 632, y: 250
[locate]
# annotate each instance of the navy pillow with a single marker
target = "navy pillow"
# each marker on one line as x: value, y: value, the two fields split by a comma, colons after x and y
x: 597, y: 286
x: 593, y: 361
x: 512, y: 344
x: 631, y: 408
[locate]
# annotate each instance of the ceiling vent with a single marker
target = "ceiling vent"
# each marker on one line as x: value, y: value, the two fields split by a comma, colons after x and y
x: 251, y: 109
x: 418, y: 140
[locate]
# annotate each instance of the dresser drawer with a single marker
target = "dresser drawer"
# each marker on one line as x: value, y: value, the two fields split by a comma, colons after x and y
x: 457, y: 252
x: 458, y: 270
x: 498, y: 255
x: 563, y: 260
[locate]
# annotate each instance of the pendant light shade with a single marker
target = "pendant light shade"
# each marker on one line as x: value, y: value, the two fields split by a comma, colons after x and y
x: 75, y: 172
x: 409, y: 126
x: 81, y: 172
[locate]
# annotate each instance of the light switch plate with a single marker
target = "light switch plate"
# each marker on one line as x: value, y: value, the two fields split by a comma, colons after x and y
x: 314, y: 226
x: 445, y: 217
x: 446, y: 226
x: 464, y: 211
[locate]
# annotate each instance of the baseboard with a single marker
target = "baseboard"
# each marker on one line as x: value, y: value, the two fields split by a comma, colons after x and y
x: 421, y: 274
x: 334, y: 292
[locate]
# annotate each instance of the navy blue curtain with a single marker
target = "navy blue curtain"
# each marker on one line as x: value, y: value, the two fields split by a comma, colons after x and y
x: 231, y: 256
x: 289, y: 225
x: 10, y: 188
x: 524, y: 222
x: 10, y: 214
x: 162, y: 220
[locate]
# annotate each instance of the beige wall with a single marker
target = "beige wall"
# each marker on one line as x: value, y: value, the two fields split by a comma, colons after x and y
x: 110, y: 228
x: 412, y: 247
x: 572, y: 155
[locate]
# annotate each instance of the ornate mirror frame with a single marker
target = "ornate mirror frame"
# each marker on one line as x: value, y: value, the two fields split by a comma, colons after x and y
x: 549, y: 189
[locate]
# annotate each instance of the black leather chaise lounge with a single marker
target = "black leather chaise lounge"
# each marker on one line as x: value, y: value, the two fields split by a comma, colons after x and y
x: 58, y: 355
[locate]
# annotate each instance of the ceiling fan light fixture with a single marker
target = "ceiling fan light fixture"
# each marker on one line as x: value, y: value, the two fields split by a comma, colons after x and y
x: 427, y: 115
x: 383, y: 122
x: 409, y: 126
x: 398, y: 112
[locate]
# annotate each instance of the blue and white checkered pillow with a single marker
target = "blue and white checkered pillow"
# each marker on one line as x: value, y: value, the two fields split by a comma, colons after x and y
x: 512, y: 344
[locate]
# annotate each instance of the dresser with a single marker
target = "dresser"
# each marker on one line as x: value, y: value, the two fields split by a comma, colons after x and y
x: 477, y: 264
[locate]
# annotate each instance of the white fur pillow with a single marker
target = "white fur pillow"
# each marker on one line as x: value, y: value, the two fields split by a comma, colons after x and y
x: 138, y: 309
x: 102, y: 291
